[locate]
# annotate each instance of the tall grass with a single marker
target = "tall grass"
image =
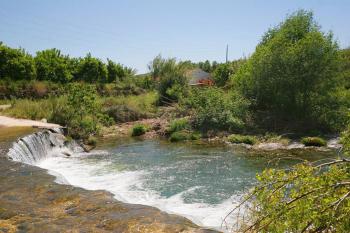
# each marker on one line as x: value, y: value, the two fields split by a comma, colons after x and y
x: 144, y: 103
x: 36, y: 109
x: 54, y: 109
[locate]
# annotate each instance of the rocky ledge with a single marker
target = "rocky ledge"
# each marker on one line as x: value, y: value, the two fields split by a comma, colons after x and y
x: 30, y: 201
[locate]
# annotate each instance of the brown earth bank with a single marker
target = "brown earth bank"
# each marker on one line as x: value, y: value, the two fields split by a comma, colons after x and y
x: 30, y: 201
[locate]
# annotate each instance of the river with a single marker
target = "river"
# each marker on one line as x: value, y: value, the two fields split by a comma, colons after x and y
x: 202, y: 182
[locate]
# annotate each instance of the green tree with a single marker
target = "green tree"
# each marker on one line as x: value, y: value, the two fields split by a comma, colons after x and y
x: 173, y: 84
x: 206, y: 66
x: 294, y: 72
x: 53, y: 66
x: 91, y: 70
x: 117, y: 72
x: 83, y: 110
x: 222, y: 72
x: 16, y: 64
x: 345, y: 53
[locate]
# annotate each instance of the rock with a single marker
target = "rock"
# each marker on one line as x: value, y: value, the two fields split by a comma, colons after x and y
x: 295, y: 145
x: 66, y: 153
x: 334, y: 143
x: 269, y: 146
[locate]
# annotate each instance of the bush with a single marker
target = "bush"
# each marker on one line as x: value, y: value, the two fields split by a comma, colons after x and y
x: 92, y: 141
x: 213, y: 109
x: 130, y: 108
x: 184, y: 135
x: 313, y: 141
x: 138, y: 130
x: 177, y: 125
x: 173, y: 84
x: 246, y: 139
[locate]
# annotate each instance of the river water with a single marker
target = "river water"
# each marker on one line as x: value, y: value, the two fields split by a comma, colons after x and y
x: 202, y: 182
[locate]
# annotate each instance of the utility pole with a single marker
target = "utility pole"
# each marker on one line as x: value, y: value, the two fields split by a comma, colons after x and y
x: 226, y: 53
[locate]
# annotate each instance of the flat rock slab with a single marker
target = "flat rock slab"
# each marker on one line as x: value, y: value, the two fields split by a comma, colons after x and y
x: 14, y: 122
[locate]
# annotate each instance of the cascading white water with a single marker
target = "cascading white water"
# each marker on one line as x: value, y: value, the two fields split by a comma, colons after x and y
x: 35, y: 147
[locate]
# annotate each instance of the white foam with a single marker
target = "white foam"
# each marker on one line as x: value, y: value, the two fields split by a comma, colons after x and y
x: 127, y: 186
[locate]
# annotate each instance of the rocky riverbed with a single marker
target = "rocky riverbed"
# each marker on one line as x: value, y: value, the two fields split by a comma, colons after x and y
x: 31, y: 201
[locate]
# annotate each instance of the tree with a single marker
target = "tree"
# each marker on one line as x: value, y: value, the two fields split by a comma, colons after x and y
x: 91, y: 70
x: 51, y: 65
x: 224, y: 71
x: 345, y: 53
x: 173, y: 83
x: 293, y: 73
x: 16, y: 64
x: 207, y: 66
x: 83, y: 111
x: 117, y: 71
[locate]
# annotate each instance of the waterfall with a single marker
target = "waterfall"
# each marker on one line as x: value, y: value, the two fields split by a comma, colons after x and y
x: 40, y: 145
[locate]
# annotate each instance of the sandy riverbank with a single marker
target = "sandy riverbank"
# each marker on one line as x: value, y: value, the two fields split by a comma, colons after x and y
x: 14, y: 122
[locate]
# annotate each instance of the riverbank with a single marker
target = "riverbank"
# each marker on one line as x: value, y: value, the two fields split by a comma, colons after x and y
x: 157, y: 128
x: 15, y: 122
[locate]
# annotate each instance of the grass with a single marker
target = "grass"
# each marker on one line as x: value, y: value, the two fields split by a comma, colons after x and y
x: 138, y: 130
x: 274, y: 138
x: 144, y: 103
x: 178, y: 125
x: 313, y: 141
x: 35, y: 109
x: 130, y: 108
x: 246, y: 139
x: 184, y: 135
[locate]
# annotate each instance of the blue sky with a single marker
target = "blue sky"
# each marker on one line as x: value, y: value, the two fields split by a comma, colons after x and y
x: 133, y: 32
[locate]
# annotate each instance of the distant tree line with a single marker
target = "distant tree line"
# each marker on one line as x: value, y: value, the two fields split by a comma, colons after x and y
x: 52, y: 65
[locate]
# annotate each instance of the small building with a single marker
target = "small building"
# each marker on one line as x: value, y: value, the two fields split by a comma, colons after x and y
x: 198, y: 77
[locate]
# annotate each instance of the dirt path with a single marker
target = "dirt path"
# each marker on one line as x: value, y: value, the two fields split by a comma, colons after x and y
x: 14, y: 122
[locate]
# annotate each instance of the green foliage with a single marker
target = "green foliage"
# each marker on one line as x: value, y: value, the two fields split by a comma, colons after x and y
x: 16, y: 64
x: 28, y: 109
x: 184, y: 135
x: 92, y: 141
x: 305, y: 199
x: 345, y: 54
x: 138, y: 130
x: 308, y: 197
x: 173, y: 84
x: 313, y: 141
x: 293, y: 73
x: 130, y: 108
x: 178, y: 125
x: 25, y: 89
x: 83, y: 113
x: 117, y: 72
x: 246, y: 139
x: 213, y: 109
x: 91, y: 70
x: 207, y: 66
x: 179, y: 136
x: 53, y: 66
x: 345, y: 140
x: 222, y: 72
